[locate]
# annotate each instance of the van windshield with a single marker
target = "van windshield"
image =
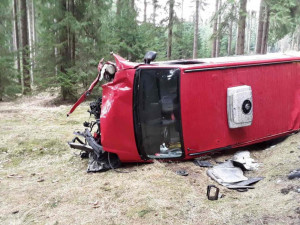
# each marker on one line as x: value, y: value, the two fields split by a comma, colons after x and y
x: 157, y: 112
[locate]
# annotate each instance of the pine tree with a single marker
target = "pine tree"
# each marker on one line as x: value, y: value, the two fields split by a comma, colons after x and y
x: 241, y: 28
x: 196, y: 31
x: 170, y: 28
x: 25, y: 48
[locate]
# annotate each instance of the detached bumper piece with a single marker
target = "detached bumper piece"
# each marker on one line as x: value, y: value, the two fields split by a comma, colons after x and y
x: 99, y: 160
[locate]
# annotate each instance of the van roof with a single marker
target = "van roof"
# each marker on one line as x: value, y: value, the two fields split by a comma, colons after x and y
x: 192, y: 65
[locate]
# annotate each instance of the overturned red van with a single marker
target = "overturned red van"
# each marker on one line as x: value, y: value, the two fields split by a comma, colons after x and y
x: 183, y: 109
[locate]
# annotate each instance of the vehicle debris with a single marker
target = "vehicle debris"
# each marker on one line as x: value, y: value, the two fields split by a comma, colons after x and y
x: 215, y: 195
x: 231, y: 176
x: 294, y: 174
x: 182, y: 172
x: 202, y: 163
x: 243, y: 160
x: 226, y: 173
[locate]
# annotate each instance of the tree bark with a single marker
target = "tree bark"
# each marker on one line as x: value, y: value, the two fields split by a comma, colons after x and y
x: 17, y: 39
x: 33, y: 32
x: 219, y: 31
x: 118, y: 7
x: 230, y: 38
x: 72, y: 34
x: 265, y: 35
x: 170, y: 29
x: 241, y: 28
x: 249, y: 32
x: 229, y: 47
x: 64, y: 49
x: 25, y: 48
x: 215, y: 30
x: 145, y: 11
x: 154, y: 10
x: 29, y: 17
x: 196, y: 31
x: 259, y: 39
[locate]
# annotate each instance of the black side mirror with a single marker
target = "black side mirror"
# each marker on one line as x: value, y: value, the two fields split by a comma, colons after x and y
x: 150, y: 56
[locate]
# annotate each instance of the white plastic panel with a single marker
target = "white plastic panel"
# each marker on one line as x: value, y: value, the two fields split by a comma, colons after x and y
x: 239, y: 106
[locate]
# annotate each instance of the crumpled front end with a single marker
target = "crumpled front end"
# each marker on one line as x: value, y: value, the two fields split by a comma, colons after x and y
x: 117, y: 125
x: 109, y: 139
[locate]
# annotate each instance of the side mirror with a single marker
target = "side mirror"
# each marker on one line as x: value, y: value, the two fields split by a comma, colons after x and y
x: 150, y: 56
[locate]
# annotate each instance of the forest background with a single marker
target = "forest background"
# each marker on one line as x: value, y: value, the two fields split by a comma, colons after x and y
x: 55, y: 45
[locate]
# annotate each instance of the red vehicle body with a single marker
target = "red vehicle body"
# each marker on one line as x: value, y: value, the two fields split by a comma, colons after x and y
x: 180, y: 109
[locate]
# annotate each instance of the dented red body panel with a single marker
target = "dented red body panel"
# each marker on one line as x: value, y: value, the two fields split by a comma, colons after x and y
x: 117, y: 128
x: 275, y: 83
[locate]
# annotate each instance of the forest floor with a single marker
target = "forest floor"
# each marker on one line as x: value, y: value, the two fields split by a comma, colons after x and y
x: 43, y: 181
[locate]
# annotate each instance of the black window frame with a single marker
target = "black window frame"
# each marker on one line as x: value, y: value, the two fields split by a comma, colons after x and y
x: 136, y: 117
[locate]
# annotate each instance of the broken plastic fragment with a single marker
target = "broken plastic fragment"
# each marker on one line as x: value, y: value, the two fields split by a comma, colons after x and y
x: 243, y: 160
x: 294, y: 174
x: 202, y: 163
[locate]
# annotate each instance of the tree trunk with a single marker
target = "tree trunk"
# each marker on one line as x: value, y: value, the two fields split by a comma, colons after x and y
x: 64, y: 49
x: 118, y: 7
x: 17, y: 39
x: 196, y: 31
x: 25, y: 48
x: 215, y: 30
x: 265, y: 35
x: 29, y: 17
x: 170, y: 28
x: 241, y: 28
x: 298, y: 40
x: 154, y: 10
x: 72, y: 34
x: 33, y: 33
x: 229, y: 47
x: 182, y: 11
x: 219, y: 31
x: 260, y: 28
x: 249, y: 32
x: 145, y: 11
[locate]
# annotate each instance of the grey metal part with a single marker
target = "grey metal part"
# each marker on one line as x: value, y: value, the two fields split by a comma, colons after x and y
x: 98, y: 149
x: 81, y: 147
x: 249, y: 181
x: 226, y: 174
x: 202, y: 163
x: 231, y: 177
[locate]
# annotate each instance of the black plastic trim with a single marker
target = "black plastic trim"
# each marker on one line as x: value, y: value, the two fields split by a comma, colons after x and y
x: 209, y: 151
x: 136, y: 119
